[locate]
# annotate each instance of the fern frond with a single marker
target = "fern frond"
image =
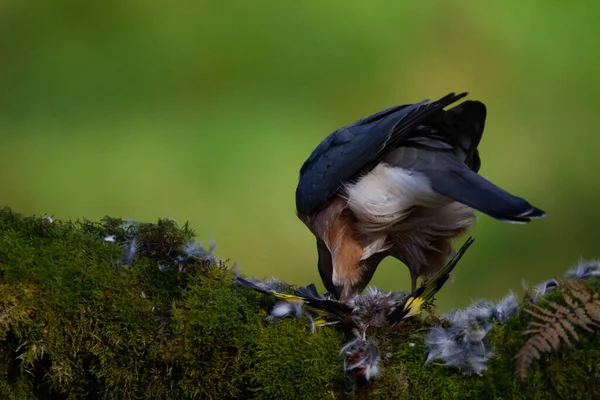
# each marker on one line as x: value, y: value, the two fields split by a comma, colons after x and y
x: 553, y: 337
x: 544, y: 311
x: 593, y: 310
x: 528, y: 331
x: 545, y: 318
x: 540, y: 343
x: 560, y: 332
x: 580, y: 315
x: 556, y: 322
x: 569, y: 328
x: 580, y: 291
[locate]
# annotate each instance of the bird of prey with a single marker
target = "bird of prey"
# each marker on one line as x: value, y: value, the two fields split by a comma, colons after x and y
x: 403, y: 183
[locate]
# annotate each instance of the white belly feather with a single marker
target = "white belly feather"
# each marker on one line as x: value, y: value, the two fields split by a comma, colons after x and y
x: 390, y: 200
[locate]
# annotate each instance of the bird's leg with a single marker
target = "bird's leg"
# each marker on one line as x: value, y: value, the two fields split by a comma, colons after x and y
x: 411, y: 261
x: 436, y: 258
x: 413, y: 282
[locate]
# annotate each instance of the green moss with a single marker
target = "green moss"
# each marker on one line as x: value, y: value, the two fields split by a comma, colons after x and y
x: 77, y: 322
x: 289, y: 361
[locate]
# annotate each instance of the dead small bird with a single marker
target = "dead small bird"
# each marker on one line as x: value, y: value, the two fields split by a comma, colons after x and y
x: 371, y: 312
x: 374, y: 308
x: 403, y: 183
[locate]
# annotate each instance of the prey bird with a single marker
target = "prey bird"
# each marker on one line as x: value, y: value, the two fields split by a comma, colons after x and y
x: 369, y: 314
x: 403, y: 183
x: 374, y: 308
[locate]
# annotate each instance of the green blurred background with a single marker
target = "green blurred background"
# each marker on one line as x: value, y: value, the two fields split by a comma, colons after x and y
x: 204, y: 111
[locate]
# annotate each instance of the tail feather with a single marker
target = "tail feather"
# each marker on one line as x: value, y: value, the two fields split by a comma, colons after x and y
x: 473, y: 190
x: 462, y: 126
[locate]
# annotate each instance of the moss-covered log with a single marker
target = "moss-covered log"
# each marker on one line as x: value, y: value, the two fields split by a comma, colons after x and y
x: 81, y: 319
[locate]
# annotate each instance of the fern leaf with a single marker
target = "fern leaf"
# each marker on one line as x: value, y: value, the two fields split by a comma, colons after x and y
x: 553, y: 338
x: 556, y: 323
x: 561, y: 332
x: 584, y: 319
x: 580, y: 291
x: 539, y: 342
x: 569, y: 328
x: 580, y: 316
x: 528, y: 331
x: 568, y: 299
x: 560, y: 309
x: 593, y: 310
x: 571, y: 315
x: 525, y: 357
x: 538, y: 316
x: 549, y: 314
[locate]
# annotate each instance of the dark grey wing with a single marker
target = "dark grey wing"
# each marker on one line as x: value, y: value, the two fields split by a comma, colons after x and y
x: 458, y: 129
x: 351, y: 150
x: 445, y: 152
x: 451, y: 178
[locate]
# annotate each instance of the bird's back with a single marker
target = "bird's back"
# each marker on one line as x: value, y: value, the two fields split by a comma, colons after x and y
x: 350, y: 151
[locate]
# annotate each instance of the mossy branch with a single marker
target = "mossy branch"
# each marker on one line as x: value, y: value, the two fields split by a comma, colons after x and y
x: 79, y: 318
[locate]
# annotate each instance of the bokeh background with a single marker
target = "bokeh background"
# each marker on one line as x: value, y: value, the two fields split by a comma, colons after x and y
x: 205, y: 110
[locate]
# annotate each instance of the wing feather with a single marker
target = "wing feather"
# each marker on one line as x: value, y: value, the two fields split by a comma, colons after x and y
x: 350, y: 151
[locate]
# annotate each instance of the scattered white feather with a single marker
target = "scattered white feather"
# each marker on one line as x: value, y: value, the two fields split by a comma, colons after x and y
x: 283, y: 309
x: 584, y: 270
x: 110, y: 238
x: 197, y: 250
x: 459, y: 346
x: 129, y: 251
x: 462, y: 344
x: 361, y: 354
x: 296, y: 310
x: 480, y: 312
x: 507, y: 307
x: 542, y: 288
